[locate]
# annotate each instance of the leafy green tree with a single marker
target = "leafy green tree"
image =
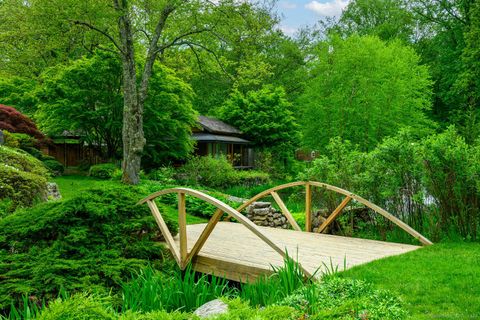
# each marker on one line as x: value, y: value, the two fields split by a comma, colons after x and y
x: 19, y: 93
x: 265, y: 117
x: 362, y: 90
x: 386, y: 19
x: 86, y: 96
x: 468, y: 82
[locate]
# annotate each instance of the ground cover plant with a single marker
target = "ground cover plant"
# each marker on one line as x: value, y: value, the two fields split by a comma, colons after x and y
x: 93, y: 241
x: 23, y: 179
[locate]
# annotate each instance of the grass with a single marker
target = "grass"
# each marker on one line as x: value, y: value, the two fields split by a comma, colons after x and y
x: 72, y: 185
x: 437, y: 282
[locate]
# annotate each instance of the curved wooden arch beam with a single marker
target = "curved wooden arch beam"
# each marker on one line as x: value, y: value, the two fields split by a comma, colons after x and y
x: 377, y: 209
x: 268, y: 192
x: 228, y: 210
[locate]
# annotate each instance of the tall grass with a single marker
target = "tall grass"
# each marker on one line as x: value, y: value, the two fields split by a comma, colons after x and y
x: 267, y: 290
x: 184, y: 291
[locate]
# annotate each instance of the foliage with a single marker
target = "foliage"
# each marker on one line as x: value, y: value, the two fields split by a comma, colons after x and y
x: 386, y: 19
x: 84, y: 97
x: 92, y: 242
x: 265, y: 117
x: 430, y: 281
x: 451, y: 178
x: 54, y: 167
x: 78, y: 307
x: 103, y: 171
x: 240, y: 310
x: 218, y: 172
x: 363, y: 89
x: 23, y: 179
x: 337, y: 298
x: 272, y: 289
x: 164, y: 175
x: 149, y: 291
x: 169, y: 118
x: 429, y: 182
x: 19, y: 93
x: 15, y: 122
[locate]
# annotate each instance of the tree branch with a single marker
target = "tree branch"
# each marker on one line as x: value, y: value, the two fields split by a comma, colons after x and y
x: 104, y: 33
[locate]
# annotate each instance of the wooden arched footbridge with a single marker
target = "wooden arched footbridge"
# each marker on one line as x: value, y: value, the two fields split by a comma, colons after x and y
x: 242, y: 251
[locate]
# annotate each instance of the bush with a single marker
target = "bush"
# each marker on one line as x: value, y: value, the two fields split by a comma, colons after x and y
x: 15, y: 122
x: 55, y: 167
x: 103, y: 171
x: 10, y: 140
x: 451, y: 177
x: 92, y: 242
x: 163, y: 175
x: 23, y: 178
x: 337, y: 298
x: 218, y: 173
x: 78, y: 307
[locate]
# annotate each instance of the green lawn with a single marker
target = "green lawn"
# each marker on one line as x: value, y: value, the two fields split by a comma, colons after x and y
x: 437, y: 282
x: 72, y: 185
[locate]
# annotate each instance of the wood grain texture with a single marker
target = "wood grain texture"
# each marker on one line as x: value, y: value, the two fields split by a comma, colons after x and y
x: 164, y: 230
x: 334, y: 214
x: 182, y: 229
x: 308, y: 207
x: 235, y: 252
x: 377, y: 209
x: 285, y: 211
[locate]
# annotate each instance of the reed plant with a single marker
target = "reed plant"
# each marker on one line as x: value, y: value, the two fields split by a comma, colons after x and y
x: 185, y: 291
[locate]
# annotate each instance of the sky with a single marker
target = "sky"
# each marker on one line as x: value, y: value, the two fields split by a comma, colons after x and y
x: 298, y: 13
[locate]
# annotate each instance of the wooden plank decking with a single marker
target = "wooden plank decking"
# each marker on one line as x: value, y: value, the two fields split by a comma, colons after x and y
x: 234, y: 252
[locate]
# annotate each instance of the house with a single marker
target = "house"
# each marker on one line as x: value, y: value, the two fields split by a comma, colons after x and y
x: 68, y: 149
x: 214, y: 137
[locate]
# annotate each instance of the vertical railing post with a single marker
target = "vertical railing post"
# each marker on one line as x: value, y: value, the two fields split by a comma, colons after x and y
x: 182, y: 229
x: 308, y: 207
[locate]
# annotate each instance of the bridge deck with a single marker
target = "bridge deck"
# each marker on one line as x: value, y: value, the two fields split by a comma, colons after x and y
x: 234, y: 252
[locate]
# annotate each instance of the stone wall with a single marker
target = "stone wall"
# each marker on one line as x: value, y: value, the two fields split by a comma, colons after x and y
x: 263, y: 214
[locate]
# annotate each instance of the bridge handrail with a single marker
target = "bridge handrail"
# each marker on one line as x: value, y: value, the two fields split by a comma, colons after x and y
x: 308, y: 199
x: 183, y: 257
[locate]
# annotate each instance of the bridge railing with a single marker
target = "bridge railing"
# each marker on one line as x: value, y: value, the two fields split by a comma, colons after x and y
x: 181, y: 254
x: 273, y: 192
x: 183, y: 257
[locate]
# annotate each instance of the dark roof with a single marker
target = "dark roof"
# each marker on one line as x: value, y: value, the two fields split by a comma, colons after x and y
x: 213, y: 125
x: 208, y: 137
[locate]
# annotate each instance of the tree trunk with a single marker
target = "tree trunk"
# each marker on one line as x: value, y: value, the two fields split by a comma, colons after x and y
x: 132, y: 132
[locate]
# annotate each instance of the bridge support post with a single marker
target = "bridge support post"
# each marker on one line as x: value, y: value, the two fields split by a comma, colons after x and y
x: 308, y: 207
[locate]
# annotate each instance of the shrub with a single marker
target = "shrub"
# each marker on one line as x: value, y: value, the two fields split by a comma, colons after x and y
x: 15, y: 122
x: 55, y: 167
x: 163, y: 175
x: 10, y: 140
x: 451, y: 176
x: 218, y: 173
x: 78, y: 307
x: 337, y: 298
x: 103, y: 171
x: 23, y: 178
x: 91, y: 242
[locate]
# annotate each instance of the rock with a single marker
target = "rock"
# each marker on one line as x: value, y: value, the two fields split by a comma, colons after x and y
x: 261, y: 212
x: 236, y: 199
x: 53, y: 193
x: 211, y: 308
x: 261, y: 204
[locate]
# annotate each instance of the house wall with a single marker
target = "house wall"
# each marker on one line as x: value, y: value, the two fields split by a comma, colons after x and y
x: 240, y: 155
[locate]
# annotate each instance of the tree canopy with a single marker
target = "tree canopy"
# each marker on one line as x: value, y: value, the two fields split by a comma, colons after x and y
x: 363, y: 89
